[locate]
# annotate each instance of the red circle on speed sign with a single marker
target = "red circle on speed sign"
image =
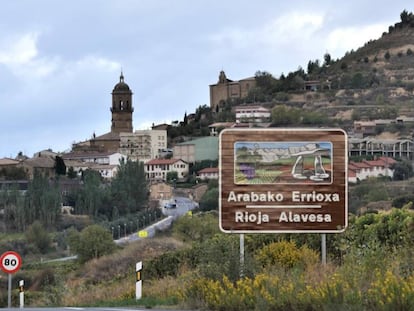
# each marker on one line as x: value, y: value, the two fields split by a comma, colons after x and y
x: 10, y: 262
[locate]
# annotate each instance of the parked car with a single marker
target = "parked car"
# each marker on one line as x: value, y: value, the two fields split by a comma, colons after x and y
x: 170, y: 205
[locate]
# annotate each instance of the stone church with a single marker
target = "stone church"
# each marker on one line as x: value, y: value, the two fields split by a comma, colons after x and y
x: 121, y: 111
x: 226, y: 89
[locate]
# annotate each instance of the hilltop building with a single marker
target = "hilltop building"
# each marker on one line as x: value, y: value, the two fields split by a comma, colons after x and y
x: 226, y: 89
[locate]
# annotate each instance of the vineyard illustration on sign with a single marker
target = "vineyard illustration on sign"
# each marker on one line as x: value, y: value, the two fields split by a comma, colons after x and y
x: 283, y: 162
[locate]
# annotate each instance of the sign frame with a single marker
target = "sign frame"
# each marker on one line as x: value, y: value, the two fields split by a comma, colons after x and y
x: 16, y: 256
x: 254, y: 199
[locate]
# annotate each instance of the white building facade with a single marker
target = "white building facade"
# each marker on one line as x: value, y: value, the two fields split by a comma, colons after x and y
x: 157, y: 169
x: 252, y: 114
x: 143, y: 145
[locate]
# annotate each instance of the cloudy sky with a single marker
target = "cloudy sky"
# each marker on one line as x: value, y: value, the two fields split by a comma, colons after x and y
x: 59, y: 60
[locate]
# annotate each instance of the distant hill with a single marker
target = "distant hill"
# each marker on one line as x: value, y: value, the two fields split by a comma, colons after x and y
x: 374, y: 82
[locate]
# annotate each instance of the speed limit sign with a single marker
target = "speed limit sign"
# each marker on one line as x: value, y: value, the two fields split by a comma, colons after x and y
x: 10, y: 262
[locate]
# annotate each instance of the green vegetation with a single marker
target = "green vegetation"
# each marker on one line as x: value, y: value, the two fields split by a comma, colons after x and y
x: 194, y: 265
x: 91, y: 243
x: 368, y: 265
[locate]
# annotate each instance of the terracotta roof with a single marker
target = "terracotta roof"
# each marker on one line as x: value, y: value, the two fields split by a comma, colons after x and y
x: 361, y: 164
x: 8, y: 161
x: 45, y: 162
x: 209, y: 170
x: 351, y: 173
x: 163, y: 161
x: 351, y: 166
x: 387, y: 160
x: 107, y: 136
x: 83, y: 155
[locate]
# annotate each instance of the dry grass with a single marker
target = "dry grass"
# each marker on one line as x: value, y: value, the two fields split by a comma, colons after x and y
x: 113, y: 276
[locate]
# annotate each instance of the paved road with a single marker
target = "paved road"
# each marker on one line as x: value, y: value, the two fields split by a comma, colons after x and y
x: 184, y: 205
x: 93, y: 309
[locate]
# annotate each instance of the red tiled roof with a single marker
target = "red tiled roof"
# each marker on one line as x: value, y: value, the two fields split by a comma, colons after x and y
x: 163, y: 161
x: 8, y: 161
x: 209, y: 170
x: 361, y: 164
x: 387, y: 160
x: 351, y: 166
x: 351, y: 173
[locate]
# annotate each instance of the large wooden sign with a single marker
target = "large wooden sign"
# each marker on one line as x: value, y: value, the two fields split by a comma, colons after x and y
x: 283, y: 180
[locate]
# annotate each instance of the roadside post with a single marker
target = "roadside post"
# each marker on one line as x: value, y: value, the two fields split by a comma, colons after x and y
x: 138, y: 283
x: 21, y: 293
x: 290, y: 180
x: 10, y: 262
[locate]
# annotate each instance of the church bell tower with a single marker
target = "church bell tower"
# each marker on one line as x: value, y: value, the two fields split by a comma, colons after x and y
x: 121, y: 107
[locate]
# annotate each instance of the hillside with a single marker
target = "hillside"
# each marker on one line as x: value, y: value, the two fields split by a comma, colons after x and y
x: 381, y: 73
x: 374, y: 82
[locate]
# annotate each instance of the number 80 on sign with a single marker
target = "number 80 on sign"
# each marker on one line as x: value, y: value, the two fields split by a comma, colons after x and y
x: 10, y: 262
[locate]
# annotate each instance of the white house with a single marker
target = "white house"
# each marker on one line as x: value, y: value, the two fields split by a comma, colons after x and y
x: 109, y: 158
x: 106, y: 163
x: 252, y: 114
x: 157, y: 169
x: 366, y: 169
x: 208, y: 173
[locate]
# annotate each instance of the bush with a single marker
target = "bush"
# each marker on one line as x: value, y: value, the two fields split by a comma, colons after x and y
x: 209, y: 201
x: 92, y: 242
x: 285, y: 254
x: 37, y: 235
x: 196, y: 228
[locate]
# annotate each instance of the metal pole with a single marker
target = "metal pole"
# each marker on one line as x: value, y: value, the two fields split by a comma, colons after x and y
x: 323, y: 247
x: 241, y: 255
x: 9, y: 293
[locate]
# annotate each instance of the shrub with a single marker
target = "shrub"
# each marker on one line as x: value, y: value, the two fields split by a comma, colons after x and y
x: 285, y: 254
x: 197, y: 228
x: 37, y: 235
x: 92, y: 242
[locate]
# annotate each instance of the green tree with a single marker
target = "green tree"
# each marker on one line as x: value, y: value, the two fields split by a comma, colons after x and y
x: 209, y: 201
x: 60, y: 167
x: 172, y: 176
x: 42, y: 202
x: 313, y: 66
x: 402, y: 170
x: 265, y: 81
x: 12, y: 204
x: 404, y: 16
x: 327, y: 59
x: 129, y: 189
x: 282, y: 115
x: 91, y: 196
x: 357, y: 81
x: 37, y: 235
x: 71, y: 173
x: 92, y: 242
x: 13, y: 173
